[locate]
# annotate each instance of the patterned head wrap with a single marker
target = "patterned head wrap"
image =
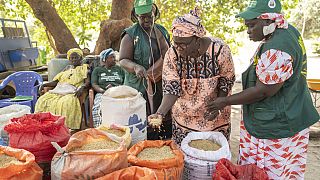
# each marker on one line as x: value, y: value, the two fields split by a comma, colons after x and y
x: 188, y: 25
x: 280, y: 22
x: 105, y: 53
x: 74, y: 50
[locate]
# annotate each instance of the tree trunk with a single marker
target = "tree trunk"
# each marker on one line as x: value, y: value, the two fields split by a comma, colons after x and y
x: 110, y: 30
x: 63, y: 38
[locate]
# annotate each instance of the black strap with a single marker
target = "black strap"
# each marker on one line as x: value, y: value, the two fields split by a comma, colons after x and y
x: 215, y: 58
x: 178, y: 58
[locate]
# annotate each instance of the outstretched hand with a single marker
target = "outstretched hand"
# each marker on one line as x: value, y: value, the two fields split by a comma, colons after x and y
x: 214, y: 107
x: 155, y: 120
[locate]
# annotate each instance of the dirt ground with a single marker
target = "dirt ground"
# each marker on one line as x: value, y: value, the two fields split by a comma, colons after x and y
x: 313, y: 159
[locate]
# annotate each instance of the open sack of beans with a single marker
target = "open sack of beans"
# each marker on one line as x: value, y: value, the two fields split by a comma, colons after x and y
x: 164, y: 157
x: 131, y: 173
x: 120, y: 131
x: 90, y: 153
x: 202, y: 151
x: 16, y: 164
x: 35, y: 132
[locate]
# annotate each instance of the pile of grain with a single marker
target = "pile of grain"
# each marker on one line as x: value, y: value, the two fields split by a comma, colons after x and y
x: 204, y: 144
x: 156, y: 154
x: 155, y: 122
x: 116, y: 132
x: 6, y: 160
x: 97, y: 145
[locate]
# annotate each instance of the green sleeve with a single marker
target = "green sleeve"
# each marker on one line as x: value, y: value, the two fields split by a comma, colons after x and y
x: 94, y: 76
x: 122, y: 74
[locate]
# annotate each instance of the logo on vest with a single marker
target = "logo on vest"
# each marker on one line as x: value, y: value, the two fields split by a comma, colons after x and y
x: 252, y: 3
x: 272, y: 4
x: 142, y: 3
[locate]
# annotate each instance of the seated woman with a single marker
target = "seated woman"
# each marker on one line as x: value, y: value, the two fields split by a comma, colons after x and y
x: 103, y: 77
x: 68, y: 85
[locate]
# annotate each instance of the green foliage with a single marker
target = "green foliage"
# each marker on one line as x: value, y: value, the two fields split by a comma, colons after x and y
x: 218, y: 17
x: 307, y: 11
x: 82, y: 17
x: 316, y: 47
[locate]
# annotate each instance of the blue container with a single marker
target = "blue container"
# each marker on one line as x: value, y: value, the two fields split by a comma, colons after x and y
x: 23, y: 54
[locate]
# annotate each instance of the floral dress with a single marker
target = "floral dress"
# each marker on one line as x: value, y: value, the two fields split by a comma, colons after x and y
x: 196, y: 81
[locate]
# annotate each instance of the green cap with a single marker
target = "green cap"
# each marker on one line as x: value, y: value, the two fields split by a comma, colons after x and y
x: 143, y: 6
x: 258, y: 7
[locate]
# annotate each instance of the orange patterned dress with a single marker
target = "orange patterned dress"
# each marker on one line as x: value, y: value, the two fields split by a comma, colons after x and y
x: 196, y: 81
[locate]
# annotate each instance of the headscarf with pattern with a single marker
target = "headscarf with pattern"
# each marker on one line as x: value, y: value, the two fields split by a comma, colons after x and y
x: 74, y: 50
x: 279, y: 22
x: 188, y: 25
x: 105, y: 53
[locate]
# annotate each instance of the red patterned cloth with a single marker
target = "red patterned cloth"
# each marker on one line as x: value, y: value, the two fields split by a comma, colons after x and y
x: 281, y: 158
x: 274, y: 67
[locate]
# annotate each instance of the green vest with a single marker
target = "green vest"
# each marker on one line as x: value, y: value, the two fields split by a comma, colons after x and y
x: 290, y: 110
x: 141, y: 54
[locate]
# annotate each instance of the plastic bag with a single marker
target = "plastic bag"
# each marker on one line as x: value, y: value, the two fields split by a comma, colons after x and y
x: 12, y: 111
x: 131, y: 173
x: 126, y: 137
x: 35, y: 132
x: 27, y: 170
x: 164, y: 169
x: 7, y: 113
x: 200, y: 164
x: 89, y: 164
x: 125, y: 106
x: 225, y: 170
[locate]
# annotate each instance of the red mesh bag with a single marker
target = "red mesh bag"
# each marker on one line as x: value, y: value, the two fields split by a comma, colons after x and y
x: 35, y: 132
x: 225, y: 170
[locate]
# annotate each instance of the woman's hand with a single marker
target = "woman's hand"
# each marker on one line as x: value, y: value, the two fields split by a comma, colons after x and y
x: 108, y: 86
x: 214, y: 107
x: 155, y: 120
x: 140, y: 71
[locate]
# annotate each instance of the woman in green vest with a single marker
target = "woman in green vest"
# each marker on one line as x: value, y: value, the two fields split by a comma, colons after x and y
x: 102, y: 78
x: 142, y: 49
x: 277, y: 106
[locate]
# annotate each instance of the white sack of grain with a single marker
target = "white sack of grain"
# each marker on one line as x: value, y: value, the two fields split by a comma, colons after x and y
x: 125, y: 106
x: 200, y: 164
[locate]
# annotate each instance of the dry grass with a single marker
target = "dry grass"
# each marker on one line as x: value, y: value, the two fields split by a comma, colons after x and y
x: 156, y: 154
x: 204, y: 144
x: 97, y: 145
x: 6, y: 160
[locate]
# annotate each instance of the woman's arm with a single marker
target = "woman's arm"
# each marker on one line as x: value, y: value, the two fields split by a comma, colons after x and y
x: 49, y: 84
x: 167, y: 102
x: 126, y: 57
x: 248, y: 96
x: 97, y: 88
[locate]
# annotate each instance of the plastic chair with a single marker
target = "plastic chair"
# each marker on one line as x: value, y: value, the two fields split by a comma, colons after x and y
x: 314, y: 87
x: 26, y: 84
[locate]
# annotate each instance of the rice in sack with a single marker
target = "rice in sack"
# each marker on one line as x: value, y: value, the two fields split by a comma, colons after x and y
x: 202, y: 151
x: 204, y: 144
x: 120, y: 131
x: 163, y: 157
x: 89, y: 153
x: 18, y: 164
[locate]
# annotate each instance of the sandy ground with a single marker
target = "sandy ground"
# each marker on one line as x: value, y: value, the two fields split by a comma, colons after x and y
x: 313, y: 159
